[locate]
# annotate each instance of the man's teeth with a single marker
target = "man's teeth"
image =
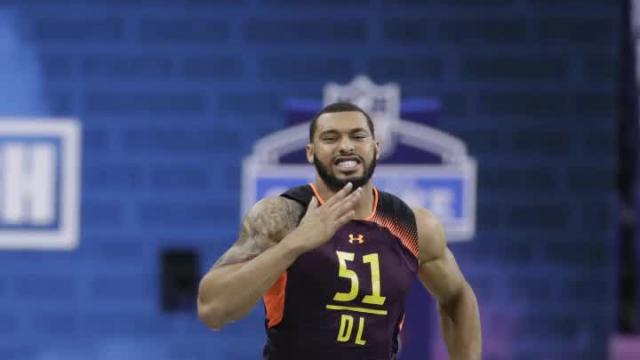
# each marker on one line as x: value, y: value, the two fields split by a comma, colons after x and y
x: 348, y: 164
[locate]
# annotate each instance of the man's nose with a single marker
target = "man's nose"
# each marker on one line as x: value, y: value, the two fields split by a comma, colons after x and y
x: 346, y: 145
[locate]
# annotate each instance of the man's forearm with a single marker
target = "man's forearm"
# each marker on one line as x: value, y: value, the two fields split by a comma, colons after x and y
x: 460, y: 323
x: 229, y: 292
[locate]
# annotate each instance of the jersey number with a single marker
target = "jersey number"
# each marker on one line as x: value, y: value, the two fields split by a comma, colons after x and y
x: 347, y: 322
x: 345, y: 272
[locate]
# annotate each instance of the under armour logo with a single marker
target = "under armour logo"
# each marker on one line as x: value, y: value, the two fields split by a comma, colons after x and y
x: 359, y: 238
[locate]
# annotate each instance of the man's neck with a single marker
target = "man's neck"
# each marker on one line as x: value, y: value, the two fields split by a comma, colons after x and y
x: 363, y: 208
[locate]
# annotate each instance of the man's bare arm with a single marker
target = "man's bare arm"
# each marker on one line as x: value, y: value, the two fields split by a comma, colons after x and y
x: 457, y: 303
x: 266, y: 224
x: 269, y: 243
x: 246, y: 271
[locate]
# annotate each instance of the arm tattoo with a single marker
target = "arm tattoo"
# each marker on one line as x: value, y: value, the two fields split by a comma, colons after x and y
x: 265, y: 225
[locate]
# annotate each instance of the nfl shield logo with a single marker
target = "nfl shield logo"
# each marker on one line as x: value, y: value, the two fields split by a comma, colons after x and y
x: 381, y: 102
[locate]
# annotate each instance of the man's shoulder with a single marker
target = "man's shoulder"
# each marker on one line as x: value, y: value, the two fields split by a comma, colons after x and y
x: 431, y: 234
x: 396, y: 204
x: 300, y: 194
x: 274, y: 217
x: 275, y: 205
x: 425, y: 216
x: 393, y: 205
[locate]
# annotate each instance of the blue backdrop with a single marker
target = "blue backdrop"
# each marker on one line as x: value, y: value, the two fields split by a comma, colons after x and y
x: 172, y: 95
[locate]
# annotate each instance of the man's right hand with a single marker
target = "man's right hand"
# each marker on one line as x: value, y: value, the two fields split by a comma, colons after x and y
x: 320, y: 223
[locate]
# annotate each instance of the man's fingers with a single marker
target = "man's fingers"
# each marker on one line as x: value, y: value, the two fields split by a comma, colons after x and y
x: 313, y: 204
x: 345, y: 218
x: 351, y: 200
x: 348, y: 203
x: 340, y: 194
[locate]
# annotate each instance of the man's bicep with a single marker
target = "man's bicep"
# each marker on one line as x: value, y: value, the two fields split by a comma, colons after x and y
x: 248, y: 246
x: 438, y: 270
x: 265, y: 225
x: 442, y: 276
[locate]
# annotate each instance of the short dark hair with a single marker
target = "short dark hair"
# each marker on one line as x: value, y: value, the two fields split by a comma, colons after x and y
x: 335, y: 108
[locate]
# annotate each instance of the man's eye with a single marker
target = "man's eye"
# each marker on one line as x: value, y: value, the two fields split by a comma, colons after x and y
x: 329, y: 139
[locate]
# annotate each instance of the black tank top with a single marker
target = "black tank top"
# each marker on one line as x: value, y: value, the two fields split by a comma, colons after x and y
x: 345, y: 299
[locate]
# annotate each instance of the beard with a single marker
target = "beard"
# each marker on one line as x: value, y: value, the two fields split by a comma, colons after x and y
x: 336, y: 184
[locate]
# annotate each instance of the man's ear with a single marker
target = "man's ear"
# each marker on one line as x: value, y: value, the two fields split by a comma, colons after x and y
x: 309, y: 151
x: 377, y: 145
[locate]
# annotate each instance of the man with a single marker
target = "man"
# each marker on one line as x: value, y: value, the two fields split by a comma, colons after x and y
x: 333, y: 260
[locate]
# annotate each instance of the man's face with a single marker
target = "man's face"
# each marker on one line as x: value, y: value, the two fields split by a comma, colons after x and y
x: 343, y: 149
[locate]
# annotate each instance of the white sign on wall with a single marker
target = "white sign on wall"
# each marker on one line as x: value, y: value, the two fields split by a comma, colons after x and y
x: 39, y: 183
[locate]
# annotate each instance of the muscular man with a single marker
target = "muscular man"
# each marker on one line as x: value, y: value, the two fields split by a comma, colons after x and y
x: 333, y: 260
